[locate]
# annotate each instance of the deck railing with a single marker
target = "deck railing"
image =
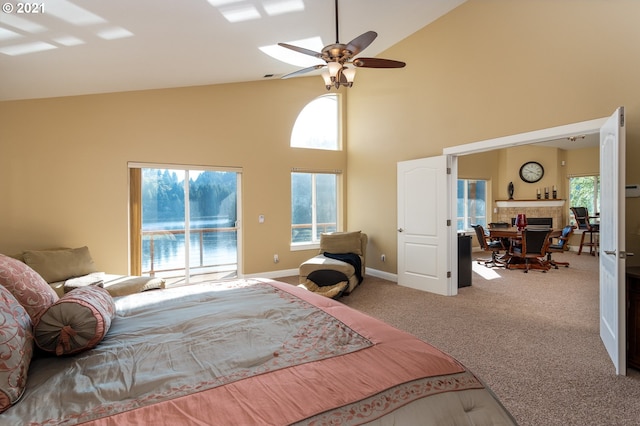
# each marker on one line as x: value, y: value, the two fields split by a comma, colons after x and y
x: 163, y: 233
x: 154, y: 235
x: 321, y: 228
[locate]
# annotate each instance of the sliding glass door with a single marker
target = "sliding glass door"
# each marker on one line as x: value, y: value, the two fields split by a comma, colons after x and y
x: 188, y: 223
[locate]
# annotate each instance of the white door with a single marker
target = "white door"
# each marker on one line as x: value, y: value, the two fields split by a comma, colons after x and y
x: 612, y: 239
x: 423, y: 232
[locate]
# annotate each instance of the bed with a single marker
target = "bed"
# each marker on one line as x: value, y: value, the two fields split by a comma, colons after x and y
x: 250, y: 352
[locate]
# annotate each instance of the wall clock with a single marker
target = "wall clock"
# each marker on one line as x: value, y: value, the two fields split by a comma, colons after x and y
x: 531, y: 171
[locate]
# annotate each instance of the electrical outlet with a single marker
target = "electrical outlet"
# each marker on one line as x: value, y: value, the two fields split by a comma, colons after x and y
x: 383, y: 258
x: 276, y: 259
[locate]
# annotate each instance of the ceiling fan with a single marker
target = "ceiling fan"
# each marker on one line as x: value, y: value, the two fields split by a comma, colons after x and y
x: 339, y: 56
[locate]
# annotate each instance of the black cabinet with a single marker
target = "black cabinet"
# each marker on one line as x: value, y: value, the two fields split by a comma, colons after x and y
x: 633, y: 317
x: 464, y: 260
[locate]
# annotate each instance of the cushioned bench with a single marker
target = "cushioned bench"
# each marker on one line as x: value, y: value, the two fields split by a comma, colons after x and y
x: 68, y: 268
x: 336, y: 243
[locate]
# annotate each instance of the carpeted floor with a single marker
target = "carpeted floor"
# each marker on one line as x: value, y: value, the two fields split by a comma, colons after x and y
x: 533, y: 338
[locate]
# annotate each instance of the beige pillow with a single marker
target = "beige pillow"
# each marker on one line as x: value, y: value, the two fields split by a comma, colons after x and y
x: 341, y: 242
x: 60, y: 264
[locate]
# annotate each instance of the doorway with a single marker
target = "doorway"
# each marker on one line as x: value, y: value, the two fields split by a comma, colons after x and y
x: 184, y: 223
x: 612, y: 261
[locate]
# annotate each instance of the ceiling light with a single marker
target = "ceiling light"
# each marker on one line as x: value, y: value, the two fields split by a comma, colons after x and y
x: 338, y: 75
x: 274, y: 8
x: 8, y: 34
x: 294, y: 58
x: 349, y: 74
x: 240, y: 14
x: 114, y: 33
x: 23, y: 49
x: 68, y: 41
x: 22, y: 24
x: 338, y: 55
x: 217, y: 3
x: 72, y: 14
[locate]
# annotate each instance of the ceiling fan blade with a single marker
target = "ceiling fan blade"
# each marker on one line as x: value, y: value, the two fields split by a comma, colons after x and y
x: 303, y: 71
x: 301, y: 50
x: 377, y: 63
x: 361, y: 42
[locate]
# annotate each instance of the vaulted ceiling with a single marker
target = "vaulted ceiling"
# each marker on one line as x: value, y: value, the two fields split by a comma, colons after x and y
x: 72, y: 47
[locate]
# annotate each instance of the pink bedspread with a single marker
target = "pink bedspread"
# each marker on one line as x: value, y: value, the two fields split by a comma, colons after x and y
x: 242, y: 352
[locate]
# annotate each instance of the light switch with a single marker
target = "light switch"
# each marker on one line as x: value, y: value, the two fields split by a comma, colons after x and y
x: 261, y: 218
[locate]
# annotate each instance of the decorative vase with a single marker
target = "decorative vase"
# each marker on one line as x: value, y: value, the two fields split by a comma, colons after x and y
x: 510, y: 190
x: 521, y: 221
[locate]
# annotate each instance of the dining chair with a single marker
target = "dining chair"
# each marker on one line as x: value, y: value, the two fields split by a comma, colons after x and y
x: 506, y: 242
x: 581, y: 214
x: 559, y: 246
x: 494, y: 246
x: 533, y: 250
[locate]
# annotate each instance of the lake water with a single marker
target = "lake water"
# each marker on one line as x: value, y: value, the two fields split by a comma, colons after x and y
x: 211, y: 250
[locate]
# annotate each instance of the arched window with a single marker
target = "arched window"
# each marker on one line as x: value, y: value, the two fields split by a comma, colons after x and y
x: 317, y: 124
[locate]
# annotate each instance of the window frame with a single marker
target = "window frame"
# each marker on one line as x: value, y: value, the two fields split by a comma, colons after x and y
x: 135, y: 207
x: 594, y: 208
x: 302, y: 113
x: 466, y: 224
x: 315, y: 241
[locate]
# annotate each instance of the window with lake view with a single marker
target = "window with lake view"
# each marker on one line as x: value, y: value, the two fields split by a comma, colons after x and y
x: 188, y: 221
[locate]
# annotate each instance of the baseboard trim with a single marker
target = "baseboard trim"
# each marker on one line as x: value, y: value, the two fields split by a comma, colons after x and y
x: 272, y: 274
x: 293, y: 272
x: 382, y: 274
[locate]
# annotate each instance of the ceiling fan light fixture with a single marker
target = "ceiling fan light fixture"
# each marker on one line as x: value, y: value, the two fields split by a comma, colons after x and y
x: 349, y: 74
x: 336, y: 56
x: 327, y: 80
x: 334, y: 69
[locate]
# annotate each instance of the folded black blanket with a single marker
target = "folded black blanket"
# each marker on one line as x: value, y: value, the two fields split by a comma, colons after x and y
x: 350, y: 258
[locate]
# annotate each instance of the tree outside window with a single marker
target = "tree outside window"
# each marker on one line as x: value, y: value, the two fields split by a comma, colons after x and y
x: 314, y: 205
x: 472, y: 203
x: 584, y: 191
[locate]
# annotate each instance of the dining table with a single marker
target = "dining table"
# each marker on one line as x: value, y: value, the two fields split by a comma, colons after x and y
x: 512, y: 237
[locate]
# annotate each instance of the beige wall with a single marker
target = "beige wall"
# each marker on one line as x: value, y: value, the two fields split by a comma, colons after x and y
x: 490, y: 68
x: 64, y: 172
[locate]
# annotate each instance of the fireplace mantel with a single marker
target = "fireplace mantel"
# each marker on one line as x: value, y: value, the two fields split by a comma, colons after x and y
x: 529, y: 203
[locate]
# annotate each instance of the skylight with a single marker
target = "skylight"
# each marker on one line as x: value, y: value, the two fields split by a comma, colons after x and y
x: 71, y: 13
x: 295, y: 58
x: 280, y: 7
x: 81, y: 20
x: 23, y: 49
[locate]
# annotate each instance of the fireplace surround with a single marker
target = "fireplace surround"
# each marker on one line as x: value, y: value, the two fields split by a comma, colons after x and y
x: 508, y: 209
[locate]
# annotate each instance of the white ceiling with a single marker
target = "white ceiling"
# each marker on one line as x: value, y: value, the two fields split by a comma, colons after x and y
x: 97, y: 46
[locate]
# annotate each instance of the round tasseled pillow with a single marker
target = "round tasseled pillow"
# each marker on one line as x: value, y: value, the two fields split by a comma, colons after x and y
x: 78, y: 321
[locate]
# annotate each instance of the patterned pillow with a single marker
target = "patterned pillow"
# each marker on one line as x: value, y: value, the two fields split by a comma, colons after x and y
x: 29, y: 288
x: 78, y: 321
x: 16, y: 348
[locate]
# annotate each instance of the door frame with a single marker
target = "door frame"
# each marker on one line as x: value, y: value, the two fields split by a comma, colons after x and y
x: 135, y: 212
x: 544, y: 135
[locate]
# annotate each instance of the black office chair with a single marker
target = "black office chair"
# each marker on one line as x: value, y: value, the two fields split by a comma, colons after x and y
x: 506, y: 242
x: 558, y: 246
x: 490, y: 245
x: 581, y: 214
x: 533, y: 249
